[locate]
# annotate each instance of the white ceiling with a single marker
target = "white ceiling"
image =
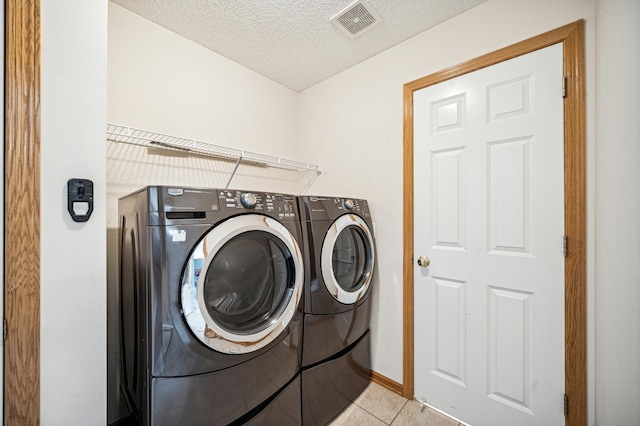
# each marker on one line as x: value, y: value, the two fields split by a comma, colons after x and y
x: 292, y: 41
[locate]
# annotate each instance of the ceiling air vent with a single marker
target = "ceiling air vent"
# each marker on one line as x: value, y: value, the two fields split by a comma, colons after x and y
x: 356, y: 19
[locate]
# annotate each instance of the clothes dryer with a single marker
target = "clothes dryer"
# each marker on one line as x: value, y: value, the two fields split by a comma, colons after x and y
x: 211, y: 283
x: 339, y: 264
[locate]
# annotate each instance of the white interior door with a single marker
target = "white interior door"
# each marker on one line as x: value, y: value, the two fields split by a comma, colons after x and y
x: 489, y: 214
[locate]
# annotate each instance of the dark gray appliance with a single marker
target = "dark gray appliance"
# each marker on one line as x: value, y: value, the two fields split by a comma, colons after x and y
x: 211, y: 283
x: 339, y: 263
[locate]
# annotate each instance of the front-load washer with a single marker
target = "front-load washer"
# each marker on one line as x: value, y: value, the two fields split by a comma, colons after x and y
x: 339, y: 265
x: 211, y: 283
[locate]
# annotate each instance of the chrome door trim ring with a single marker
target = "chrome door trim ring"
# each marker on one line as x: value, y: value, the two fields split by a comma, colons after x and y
x: 217, y: 337
x: 326, y: 259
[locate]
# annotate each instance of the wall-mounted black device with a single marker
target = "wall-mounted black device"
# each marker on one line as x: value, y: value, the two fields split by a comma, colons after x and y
x: 80, y: 199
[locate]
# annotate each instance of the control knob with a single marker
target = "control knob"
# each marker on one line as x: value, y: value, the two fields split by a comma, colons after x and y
x: 248, y: 200
x: 349, y: 204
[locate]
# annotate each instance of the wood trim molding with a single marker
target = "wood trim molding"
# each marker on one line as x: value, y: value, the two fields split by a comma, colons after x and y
x: 22, y: 213
x: 386, y: 383
x: 572, y: 37
x: 575, y: 298
x: 407, y: 224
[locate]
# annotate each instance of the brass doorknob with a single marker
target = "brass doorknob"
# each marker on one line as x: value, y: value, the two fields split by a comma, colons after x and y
x: 424, y: 261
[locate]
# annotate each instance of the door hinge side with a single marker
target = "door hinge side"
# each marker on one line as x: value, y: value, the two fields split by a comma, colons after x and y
x: 4, y: 329
x: 564, y: 245
x: 564, y: 86
x: 566, y: 405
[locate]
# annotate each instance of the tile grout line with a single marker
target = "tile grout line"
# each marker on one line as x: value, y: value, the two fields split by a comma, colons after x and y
x: 394, y: 417
x: 399, y: 411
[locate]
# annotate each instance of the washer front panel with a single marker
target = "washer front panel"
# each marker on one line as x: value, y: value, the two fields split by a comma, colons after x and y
x: 242, y: 284
x: 347, y: 259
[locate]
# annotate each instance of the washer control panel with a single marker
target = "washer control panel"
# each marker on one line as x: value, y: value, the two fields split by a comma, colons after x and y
x: 249, y: 200
x: 282, y: 206
x: 203, y: 204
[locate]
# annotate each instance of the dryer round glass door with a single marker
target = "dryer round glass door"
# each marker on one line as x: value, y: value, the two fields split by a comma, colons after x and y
x: 347, y: 259
x: 242, y: 284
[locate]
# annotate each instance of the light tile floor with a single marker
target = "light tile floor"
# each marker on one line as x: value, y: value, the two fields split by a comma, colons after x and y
x: 377, y: 406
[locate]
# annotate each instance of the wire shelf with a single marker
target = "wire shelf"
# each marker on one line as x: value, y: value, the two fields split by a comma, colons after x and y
x: 129, y: 135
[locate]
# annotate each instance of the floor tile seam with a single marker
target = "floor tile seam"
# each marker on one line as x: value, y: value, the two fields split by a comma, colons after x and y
x: 399, y: 411
x: 383, y: 421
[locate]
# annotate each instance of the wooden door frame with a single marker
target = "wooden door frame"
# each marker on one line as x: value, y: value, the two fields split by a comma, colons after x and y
x: 572, y: 37
x: 22, y: 213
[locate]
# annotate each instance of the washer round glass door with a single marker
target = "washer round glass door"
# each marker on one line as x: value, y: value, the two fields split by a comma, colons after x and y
x: 347, y: 259
x: 242, y: 284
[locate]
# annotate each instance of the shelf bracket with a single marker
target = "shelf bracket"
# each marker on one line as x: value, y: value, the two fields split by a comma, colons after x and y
x: 235, y: 169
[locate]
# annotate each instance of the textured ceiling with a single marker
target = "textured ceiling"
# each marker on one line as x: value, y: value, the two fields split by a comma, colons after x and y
x: 292, y: 41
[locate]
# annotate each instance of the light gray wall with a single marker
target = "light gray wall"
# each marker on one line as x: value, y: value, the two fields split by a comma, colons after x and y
x: 72, y: 256
x: 617, y: 195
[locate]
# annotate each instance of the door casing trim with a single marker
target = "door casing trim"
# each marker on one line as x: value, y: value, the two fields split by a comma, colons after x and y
x: 22, y: 212
x: 572, y: 38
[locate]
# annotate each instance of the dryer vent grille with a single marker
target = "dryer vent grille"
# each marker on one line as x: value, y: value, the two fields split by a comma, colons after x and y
x: 356, y: 19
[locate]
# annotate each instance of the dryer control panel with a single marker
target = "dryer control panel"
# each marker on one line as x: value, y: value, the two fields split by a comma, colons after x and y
x: 330, y: 208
